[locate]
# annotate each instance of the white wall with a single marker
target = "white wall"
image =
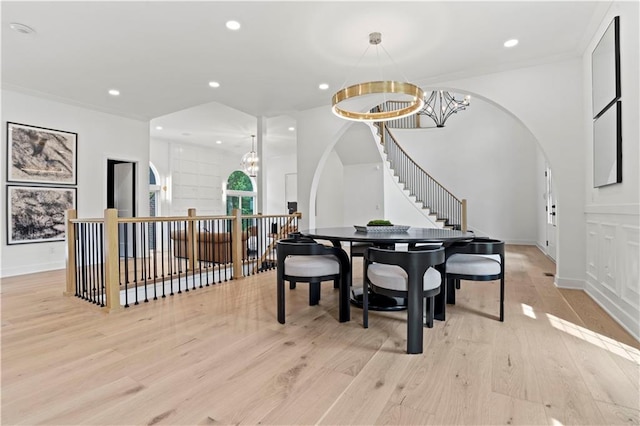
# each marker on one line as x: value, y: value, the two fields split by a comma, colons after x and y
x: 613, y: 212
x: 330, y: 194
x: 487, y: 157
x: 363, y: 193
x: 318, y: 131
x: 275, y: 170
x: 100, y: 137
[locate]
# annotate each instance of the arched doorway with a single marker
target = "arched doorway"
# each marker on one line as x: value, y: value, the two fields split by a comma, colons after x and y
x: 154, y: 203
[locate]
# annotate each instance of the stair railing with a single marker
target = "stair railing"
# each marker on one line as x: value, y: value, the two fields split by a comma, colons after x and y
x: 422, y: 185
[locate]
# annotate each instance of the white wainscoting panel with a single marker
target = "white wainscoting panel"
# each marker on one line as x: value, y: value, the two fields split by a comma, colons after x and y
x: 613, y: 264
x: 592, y: 250
x: 631, y: 272
x: 607, y: 257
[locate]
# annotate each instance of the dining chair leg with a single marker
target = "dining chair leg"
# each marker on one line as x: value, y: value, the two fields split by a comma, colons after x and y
x: 292, y: 285
x: 343, y: 296
x: 280, y: 297
x: 457, y: 284
x: 429, y: 311
x: 314, y: 293
x: 415, y: 300
x: 451, y: 291
x: 502, y: 298
x: 365, y: 297
x: 336, y: 283
x: 439, y: 304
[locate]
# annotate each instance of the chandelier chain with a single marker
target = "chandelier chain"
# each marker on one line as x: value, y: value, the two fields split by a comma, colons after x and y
x: 380, y: 88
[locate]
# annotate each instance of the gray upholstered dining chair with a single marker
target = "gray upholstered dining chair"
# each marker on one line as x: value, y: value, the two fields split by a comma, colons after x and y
x: 481, y: 259
x: 392, y: 273
x: 301, y: 259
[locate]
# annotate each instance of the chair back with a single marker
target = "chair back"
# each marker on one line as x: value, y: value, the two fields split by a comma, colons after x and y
x: 414, y: 262
x: 302, y: 246
x: 478, y: 245
x: 305, y: 246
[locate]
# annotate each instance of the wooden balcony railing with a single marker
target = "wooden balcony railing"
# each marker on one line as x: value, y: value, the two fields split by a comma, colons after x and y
x: 117, y: 262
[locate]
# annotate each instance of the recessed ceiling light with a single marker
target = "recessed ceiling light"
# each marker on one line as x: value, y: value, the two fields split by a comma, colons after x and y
x: 158, y: 127
x: 291, y: 129
x: 114, y: 92
x: 511, y: 43
x: 214, y: 84
x: 218, y: 142
x: 323, y: 86
x: 21, y: 28
x: 233, y: 25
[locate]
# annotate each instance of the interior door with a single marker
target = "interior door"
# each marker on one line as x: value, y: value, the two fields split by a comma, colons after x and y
x: 551, y: 245
x: 121, y: 181
x: 123, y: 178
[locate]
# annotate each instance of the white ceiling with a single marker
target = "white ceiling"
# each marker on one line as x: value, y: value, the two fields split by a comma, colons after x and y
x: 161, y: 55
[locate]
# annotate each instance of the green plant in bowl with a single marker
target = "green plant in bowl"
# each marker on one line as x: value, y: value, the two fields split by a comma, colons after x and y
x: 379, y: 222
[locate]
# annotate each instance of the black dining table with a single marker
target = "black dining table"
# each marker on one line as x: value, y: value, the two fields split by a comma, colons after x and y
x: 411, y: 236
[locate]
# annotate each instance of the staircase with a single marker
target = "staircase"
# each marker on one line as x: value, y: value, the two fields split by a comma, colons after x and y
x: 434, y: 200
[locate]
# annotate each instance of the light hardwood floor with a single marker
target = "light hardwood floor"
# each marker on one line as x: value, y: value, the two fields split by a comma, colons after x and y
x: 218, y: 356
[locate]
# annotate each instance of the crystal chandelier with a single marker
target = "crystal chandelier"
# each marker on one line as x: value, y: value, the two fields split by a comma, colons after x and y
x: 381, y: 88
x: 441, y: 105
x: 249, y: 162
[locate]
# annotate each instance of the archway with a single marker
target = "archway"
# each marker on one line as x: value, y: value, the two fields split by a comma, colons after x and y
x: 536, y: 220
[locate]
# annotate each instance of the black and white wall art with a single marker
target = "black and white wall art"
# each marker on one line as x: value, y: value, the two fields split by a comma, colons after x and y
x: 40, y: 155
x: 607, y: 147
x: 607, y: 106
x: 37, y: 213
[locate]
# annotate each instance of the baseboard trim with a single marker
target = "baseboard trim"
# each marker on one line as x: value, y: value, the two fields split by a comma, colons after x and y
x: 521, y: 242
x: 31, y: 269
x: 626, y: 321
x: 544, y: 251
x: 569, y: 283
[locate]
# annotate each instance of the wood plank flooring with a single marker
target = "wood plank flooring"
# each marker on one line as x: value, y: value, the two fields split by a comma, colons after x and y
x: 218, y: 356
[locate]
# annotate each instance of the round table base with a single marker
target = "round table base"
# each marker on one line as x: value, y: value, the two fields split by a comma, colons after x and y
x: 378, y: 302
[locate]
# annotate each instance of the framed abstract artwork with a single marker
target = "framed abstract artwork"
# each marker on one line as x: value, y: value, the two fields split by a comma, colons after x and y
x: 36, y: 214
x: 40, y: 155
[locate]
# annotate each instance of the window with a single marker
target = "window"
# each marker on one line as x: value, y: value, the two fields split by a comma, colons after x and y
x: 240, y: 193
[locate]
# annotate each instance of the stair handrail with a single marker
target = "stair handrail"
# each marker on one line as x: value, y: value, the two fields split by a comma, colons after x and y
x: 386, y: 129
x: 289, y: 226
x: 441, y: 206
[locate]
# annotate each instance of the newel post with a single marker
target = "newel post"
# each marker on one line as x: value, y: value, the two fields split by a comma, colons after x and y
x: 192, y: 239
x: 464, y: 216
x: 236, y: 238
x: 112, y: 260
x: 70, y: 288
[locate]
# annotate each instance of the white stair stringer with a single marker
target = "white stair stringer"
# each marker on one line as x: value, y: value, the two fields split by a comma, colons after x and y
x: 411, y: 199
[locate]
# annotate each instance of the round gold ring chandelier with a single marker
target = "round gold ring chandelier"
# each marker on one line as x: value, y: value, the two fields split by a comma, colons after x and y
x: 378, y: 87
x: 386, y: 88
